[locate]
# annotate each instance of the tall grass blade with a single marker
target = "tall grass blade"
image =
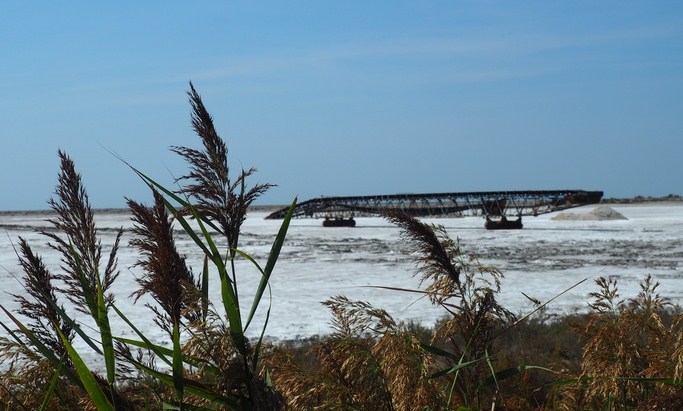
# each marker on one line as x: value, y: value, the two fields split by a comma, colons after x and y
x: 105, y: 335
x: 457, y: 367
x: 163, y: 353
x: 228, y: 293
x: 53, y: 385
x: 177, y: 364
x: 160, y: 352
x: 257, y: 349
x: 538, y: 308
x: 270, y: 264
x: 232, y: 311
x: 205, y: 289
x: 86, y: 377
x: 406, y: 290
x: 494, y: 375
x: 98, y: 309
x: 73, y: 324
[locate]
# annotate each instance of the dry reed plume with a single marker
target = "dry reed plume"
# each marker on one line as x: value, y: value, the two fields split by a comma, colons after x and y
x: 75, y: 238
x: 629, y: 354
x: 209, y: 183
x: 165, y: 275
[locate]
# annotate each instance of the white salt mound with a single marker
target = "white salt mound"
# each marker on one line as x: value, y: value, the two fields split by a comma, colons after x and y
x: 599, y: 213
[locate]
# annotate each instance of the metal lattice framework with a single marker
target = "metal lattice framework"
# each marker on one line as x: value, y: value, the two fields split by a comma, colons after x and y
x: 485, y: 203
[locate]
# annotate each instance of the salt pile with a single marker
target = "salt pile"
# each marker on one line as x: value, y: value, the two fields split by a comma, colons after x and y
x: 599, y: 213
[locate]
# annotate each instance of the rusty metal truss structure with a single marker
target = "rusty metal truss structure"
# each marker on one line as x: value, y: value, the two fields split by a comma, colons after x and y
x: 485, y: 203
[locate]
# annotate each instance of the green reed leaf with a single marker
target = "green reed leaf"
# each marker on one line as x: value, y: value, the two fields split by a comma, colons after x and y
x: 165, y: 353
x: 86, y: 377
x: 105, y: 334
x: 270, y: 264
x: 178, y: 369
x: 228, y: 293
x: 438, y: 351
x: 53, y: 385
x: 456, y: 367
x: 159, y: 351
x: 232, y: 310
x: 257, y: 348
x: 205, y: 289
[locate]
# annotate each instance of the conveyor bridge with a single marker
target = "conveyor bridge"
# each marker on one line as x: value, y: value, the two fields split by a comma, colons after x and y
x: 486, y: 203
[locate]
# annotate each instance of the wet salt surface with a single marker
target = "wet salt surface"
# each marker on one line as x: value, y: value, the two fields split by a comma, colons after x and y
x: 541, y: 260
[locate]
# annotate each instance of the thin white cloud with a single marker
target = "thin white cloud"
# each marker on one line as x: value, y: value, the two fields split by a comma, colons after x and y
x: 453, y: 46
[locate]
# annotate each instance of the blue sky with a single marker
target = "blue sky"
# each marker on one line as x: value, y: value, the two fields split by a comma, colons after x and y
x: 346, y: 98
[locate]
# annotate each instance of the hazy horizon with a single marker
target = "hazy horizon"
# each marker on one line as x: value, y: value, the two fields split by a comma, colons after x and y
x: 263, y: 206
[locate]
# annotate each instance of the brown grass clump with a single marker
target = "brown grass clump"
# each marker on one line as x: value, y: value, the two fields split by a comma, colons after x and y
x: 24, y: 388
x: 629, y: 356
x: 407, y: 368
x: 368, y: 363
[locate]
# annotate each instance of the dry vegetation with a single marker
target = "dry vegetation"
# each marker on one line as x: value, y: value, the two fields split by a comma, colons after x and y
x: 622, y: 355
